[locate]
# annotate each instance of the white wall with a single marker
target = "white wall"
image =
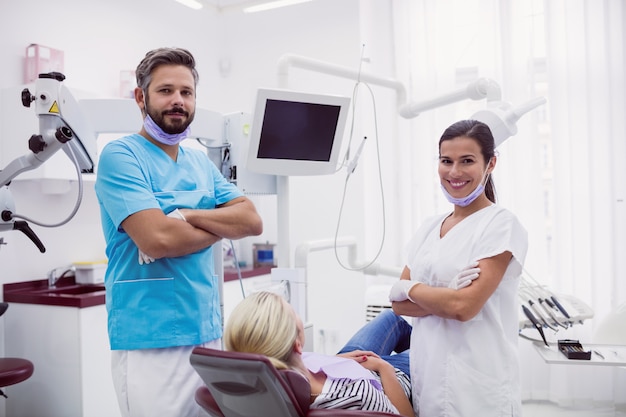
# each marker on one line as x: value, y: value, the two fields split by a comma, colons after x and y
x: 337, y: 32
x: 236, y: 54
x: 98, y: 40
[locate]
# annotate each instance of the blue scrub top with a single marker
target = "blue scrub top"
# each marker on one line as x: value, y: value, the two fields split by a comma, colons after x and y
x: 172, y: 301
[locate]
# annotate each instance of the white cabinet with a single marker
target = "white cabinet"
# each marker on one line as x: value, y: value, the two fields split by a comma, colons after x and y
x: 70, y: 350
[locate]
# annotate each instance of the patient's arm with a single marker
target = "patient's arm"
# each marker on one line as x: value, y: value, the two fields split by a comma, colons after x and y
x: 391, y: 386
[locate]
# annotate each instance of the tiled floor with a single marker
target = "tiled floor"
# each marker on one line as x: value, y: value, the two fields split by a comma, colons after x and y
x: 546, y: 409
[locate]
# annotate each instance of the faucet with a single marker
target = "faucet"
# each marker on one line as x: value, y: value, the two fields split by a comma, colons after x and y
x: 53, y: 275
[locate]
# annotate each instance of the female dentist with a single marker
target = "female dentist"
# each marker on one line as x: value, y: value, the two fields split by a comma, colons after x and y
x: 460, y: 286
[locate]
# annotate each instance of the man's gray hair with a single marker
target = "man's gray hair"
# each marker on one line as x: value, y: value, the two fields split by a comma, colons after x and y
x: 163, y: 56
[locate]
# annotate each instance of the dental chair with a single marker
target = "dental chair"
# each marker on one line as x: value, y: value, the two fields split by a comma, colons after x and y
x: 247, y: 385
x: 13, y: 370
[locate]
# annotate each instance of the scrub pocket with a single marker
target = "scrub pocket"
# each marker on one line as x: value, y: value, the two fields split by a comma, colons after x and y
x: 475, y: 393
x: 142, y: 310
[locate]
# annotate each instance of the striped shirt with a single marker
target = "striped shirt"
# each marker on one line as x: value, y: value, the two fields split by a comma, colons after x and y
x: 359, y: 394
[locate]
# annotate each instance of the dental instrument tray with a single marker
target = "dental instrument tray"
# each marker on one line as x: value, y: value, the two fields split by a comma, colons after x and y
x: 572, y: 349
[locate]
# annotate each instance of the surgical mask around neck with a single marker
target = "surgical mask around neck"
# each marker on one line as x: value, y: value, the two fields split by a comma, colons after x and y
x: 160, y: 136
x: 471, y: 197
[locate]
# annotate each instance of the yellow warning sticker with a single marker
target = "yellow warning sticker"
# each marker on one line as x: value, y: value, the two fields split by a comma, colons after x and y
x: 54, y: 108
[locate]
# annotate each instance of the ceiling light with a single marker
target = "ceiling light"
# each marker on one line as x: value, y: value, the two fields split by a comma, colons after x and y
x: 194, y: 4
x: 272, y: 5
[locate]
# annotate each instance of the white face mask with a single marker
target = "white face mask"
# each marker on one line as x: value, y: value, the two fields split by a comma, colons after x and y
x: 469, y: 199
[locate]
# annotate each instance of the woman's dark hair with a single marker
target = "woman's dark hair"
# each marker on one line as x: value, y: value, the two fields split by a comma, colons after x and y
x: 481, y: 133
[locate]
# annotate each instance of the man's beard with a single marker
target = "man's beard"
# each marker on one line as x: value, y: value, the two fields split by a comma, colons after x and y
x: 170, y: 128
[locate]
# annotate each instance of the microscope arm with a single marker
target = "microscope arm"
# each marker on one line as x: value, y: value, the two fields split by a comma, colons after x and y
x: 8, y: 223
x: 61, y: 122
x: 61, y: 126
x: 23, y: 227
x: 42, y: 148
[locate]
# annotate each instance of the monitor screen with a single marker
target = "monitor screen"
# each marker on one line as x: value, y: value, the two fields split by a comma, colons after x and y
x: 296, y: 133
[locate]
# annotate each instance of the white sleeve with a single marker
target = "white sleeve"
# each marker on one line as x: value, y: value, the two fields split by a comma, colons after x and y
x: 504, y: 233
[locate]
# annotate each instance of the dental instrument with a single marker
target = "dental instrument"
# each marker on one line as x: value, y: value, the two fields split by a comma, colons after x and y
x: 535, y: 323
x: 355, y: 159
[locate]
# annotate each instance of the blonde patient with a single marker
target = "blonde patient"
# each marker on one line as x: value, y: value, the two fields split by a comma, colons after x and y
x: 365, y: 376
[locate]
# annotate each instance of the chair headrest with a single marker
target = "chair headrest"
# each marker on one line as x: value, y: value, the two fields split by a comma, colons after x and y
x: 3, y: 307
x: 300, y: 387
x: 205, y: 399
x: 236, y: 382
x: 240, y: 383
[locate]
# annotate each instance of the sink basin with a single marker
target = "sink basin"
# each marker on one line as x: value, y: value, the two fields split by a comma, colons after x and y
x: 71, y: 290
x: 66, y: 293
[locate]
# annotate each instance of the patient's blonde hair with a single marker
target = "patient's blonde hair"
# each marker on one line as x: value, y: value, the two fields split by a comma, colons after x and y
x: 263, y: 323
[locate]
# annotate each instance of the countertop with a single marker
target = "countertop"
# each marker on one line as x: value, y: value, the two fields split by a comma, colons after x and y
x: 608, y: 355
x: 68, y: 293
x: 65, y: 293
x: 230, y: 274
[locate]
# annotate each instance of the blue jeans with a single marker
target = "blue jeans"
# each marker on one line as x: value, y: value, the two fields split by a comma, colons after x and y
x: 388, y: 335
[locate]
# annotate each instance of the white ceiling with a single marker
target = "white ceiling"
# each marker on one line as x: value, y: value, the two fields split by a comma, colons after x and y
x: 233, y: 4
x: 230, y: 4
x: 227, y: 3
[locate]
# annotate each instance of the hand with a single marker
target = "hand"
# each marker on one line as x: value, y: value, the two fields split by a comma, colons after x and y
x: 400, y: 290
x: 174, y: 214
x: 374, y: 363
x: 465, y: 277
x: 358, y: 355
x: 144, y: 259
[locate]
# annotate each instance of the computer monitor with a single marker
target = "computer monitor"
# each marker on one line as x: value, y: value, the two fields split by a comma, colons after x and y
x: 296, y: 133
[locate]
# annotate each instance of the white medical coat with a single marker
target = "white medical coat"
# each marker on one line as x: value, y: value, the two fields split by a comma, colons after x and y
x: 468, y: 368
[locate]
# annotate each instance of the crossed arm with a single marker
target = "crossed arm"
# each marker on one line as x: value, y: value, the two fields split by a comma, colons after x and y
x: 159, y: 236
x: 449, y: 303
